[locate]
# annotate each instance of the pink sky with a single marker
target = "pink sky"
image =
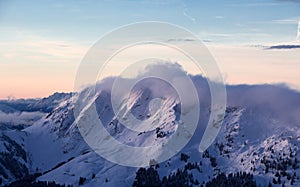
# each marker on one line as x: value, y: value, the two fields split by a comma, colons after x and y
x: 47, y: 67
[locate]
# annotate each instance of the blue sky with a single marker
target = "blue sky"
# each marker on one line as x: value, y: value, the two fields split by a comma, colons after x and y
x: 220, y: 21
x: 42, y: 42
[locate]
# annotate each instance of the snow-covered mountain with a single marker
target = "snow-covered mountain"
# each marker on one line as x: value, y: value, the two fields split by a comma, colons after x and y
x: 46, y: 104
x: 260, y: 135
x: 20, y: 113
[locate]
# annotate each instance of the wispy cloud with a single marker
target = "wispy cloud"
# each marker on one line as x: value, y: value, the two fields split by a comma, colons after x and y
x: 293, y: 21
x: 254, y: 4
x: 188, y: 16
x: 234, y: 35
x: 23, y: 118
x: 223, y: 35
x: 186, y: 13
x: 283, y: 47
x: 35, y: 47
x: 219, y: 17
x: 146, y: 2
x: 292, y: 1
x: 276, y: 47
x: 180, y: 40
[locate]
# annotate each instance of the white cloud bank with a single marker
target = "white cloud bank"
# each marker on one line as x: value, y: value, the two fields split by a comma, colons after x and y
x: 20, y: 118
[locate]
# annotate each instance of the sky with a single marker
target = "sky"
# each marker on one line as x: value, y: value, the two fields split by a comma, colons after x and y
x: 43, y: 42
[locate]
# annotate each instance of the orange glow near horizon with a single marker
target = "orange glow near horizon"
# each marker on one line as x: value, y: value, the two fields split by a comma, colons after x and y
x: 238, y: 64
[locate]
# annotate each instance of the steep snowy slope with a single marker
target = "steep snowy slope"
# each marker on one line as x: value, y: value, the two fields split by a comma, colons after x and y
x: 13, y: 156
x: 56, y: 141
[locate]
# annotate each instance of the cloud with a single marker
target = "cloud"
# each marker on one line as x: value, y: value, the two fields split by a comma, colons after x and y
x: 254, y: 4
x: 28, y: 46
x: 149, y: 2
x: 180, y: 40
x: 207, y: 41
x: 291, y: 21
x: 20, y: 118
x: 188, y: 16
x: 186, y: 13
x: 283, y: 47
x: 292, y: 1
x: 219, y: 17
x: 274, y: 47
x: 235, y: 37
x: 276, y: 101
x: 227, y: 35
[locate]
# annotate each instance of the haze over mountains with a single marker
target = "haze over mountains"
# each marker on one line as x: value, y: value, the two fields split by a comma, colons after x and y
x: 260, y: 136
